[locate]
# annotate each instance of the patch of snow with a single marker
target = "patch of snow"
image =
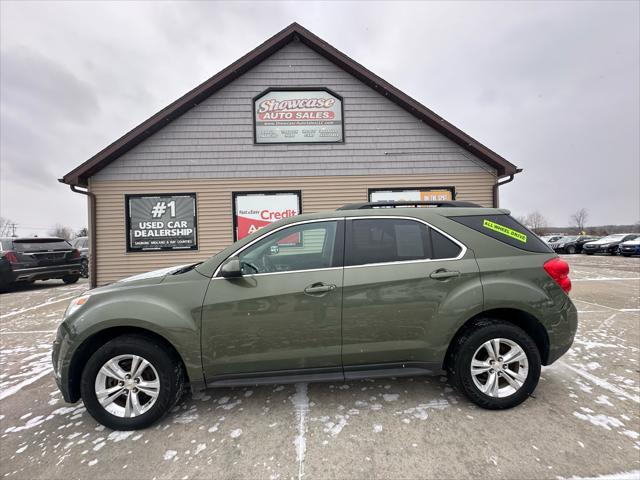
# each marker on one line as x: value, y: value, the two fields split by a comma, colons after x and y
x: 169, y: 454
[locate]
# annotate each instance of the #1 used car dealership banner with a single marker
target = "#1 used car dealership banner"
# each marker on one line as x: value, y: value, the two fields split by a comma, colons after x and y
x: 161, y: 222
x: 298, y: 116
x: 254, y: 211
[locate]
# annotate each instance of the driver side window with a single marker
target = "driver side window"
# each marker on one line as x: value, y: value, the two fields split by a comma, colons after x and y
x: 299, y: 247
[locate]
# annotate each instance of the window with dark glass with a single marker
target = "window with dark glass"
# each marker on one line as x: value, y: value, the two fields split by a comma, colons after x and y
x: 382, y: 240
x: 443, y: 247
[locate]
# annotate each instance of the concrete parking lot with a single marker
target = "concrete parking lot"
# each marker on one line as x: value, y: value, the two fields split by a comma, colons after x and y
x: 584, y: 420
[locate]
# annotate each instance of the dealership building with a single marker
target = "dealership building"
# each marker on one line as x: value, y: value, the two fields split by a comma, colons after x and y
x: 294, y: 126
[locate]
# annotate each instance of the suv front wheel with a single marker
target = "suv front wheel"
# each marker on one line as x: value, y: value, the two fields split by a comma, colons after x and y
x: 495, y: 364
x: 131, y: 382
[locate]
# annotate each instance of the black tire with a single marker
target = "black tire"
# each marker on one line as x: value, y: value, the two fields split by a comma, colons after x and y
x: 68, y: 279
x: 170, y: 374
x: 459, y: 364
x: 84, y: 268
x: 589, y: 253
x: 571, y: 249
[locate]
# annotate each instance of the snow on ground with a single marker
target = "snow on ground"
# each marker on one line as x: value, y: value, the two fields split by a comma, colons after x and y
x: 584, y: 421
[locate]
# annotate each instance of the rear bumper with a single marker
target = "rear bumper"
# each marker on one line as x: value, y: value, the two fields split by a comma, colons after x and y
x: 44, y: 273
x: 562, y: 334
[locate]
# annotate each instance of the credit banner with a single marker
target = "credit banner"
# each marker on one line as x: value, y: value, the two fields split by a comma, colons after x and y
x: 412, y: 195
x: 298, y: 116
x: 255, y: 211
x: 161, y: 222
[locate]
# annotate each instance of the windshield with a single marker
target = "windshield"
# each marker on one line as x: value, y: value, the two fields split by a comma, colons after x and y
x: 568, y: 239
x: 35, y: 245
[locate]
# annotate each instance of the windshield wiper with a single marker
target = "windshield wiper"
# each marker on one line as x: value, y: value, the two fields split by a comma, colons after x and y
x: 186, y: 269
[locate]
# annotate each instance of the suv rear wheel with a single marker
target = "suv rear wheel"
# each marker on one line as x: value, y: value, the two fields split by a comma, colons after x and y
x: 495, y: 364
x: 131, y: 382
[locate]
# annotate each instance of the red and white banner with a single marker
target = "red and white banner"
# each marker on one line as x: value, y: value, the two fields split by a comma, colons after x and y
x: 253, y: 211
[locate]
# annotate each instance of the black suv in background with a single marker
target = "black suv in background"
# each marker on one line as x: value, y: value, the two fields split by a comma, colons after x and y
x: 31, y: 259
x: 571, y: 244
x: 82, y: 244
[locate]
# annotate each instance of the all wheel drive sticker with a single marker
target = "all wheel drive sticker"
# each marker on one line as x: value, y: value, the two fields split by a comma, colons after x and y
x: 161, y: 222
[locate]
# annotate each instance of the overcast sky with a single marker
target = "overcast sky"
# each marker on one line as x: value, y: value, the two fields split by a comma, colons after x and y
x: 551, y: 86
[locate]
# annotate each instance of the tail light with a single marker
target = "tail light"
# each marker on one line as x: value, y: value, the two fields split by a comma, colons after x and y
x: 75, y: 253
x: 11, y: 257
x: 558, y: 269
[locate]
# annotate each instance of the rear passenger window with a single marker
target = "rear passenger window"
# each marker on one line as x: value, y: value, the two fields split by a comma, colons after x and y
x: 443, y: 247
x: 506, y: 229
x: 386, y: 240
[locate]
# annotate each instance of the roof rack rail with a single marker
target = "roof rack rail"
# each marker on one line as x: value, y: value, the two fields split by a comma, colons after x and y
x: 394, y: 204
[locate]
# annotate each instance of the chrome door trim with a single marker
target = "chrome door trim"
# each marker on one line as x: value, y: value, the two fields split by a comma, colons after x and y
x: 463, y: 247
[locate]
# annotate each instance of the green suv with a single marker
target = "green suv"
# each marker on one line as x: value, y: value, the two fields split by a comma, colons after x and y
x: 369, y: 290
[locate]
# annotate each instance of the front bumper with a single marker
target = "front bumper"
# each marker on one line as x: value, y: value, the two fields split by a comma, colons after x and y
x: 45, y: 273
x: 630, y: 250
x: 59, y: 357
x: 611, y: 249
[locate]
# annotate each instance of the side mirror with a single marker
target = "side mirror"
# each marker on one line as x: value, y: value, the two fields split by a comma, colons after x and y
x: 231, y: 268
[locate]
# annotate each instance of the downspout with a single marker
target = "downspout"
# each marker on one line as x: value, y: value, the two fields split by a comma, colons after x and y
x: 499, y: 184
x: 93, y: 274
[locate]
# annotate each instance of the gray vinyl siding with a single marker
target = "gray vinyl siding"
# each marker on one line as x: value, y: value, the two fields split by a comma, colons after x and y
x: 215, y: 138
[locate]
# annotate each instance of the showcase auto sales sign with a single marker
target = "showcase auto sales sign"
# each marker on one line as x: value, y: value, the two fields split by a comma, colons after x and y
x: 255, y: 211
x: 298, y: 116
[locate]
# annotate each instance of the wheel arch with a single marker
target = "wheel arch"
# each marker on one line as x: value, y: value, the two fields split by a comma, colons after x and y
x: 527, y: 322
x: 84, y: 351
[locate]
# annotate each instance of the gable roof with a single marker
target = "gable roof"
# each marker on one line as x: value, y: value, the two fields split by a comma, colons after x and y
x: 79, y: 175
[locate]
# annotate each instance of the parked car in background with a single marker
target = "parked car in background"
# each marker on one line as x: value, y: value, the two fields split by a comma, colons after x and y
x: 362, y: 292
x: 608, y: 244
x: 35, y: 258
x: 630, y: 247
x: 82, y: 244
x: 571, y: 244
x: 550, y: 238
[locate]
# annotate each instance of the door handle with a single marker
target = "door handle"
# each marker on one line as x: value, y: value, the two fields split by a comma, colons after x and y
x: 443, y: 274
x: 319, y: 288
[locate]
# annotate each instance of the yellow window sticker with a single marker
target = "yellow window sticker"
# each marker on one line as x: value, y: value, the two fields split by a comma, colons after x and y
x: 509, y: 232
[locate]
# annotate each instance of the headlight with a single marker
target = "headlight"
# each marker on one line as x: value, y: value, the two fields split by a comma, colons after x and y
x: 75, y: 304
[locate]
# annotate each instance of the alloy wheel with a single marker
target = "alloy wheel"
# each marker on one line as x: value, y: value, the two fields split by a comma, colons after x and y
x: 127, y: 386
x: 499, y: 367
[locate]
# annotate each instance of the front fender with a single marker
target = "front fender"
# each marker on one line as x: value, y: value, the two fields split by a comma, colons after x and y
x: 170, y: 309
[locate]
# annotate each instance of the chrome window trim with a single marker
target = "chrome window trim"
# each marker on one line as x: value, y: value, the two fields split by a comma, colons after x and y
x: 242, y: 249
x: 463, y: 247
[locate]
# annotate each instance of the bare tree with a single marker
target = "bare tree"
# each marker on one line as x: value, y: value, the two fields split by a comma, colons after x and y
x: 535, y: 221
x: 61, y: 231
x: 579, y: 219
x: 5, y: 227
